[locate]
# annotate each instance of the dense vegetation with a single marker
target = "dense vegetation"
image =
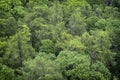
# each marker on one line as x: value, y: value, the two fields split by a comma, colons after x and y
x: 59, y: 39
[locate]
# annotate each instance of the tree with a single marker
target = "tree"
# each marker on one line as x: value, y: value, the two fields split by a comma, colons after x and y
x: 5, y: 20
x: 68, y: 42
x: 47, y: 46
x: 99, y: 72
x: 76, y: 66
x: 114, y: 33
x: 91, y: 23
x: 19, y: 49
x: 98, y: 2
x: 77, y: 25
x: 3, y: 46
x: 71, y: 7
x: 42, y: 67
x: 71, y: 65
x: 98, y: 46
x: 37, y: 20
x: 56, y: 14
x: 6, y: 73
x: 40, y: 30
x: 61, y: 39
x: 110, y: 12
x: 116, y: 3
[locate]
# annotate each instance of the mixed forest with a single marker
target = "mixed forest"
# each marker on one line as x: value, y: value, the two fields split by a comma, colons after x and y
x: 59, y: 39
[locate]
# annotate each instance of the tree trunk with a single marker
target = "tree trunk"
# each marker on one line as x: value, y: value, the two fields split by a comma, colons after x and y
x: 19, y: 53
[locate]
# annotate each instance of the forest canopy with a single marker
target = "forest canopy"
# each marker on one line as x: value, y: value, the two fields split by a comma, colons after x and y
x: 59, y: 39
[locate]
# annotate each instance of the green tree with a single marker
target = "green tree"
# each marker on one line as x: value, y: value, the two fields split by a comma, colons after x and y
x: 7, y: 28
x: 99, y: 72
x: 19, y: 49
x: 67, y: 42
x: 56, y: 14
x: 114, y: 33
x: 3, y: 46
x: 93, y: 2
x: 6, y: 73
x: 101, y: 24
x: 77, y: 23
x: 37, y: 20
x: 72, y: 64
x: 47, y: 46
x: 40, y: 30
x: 42, y: 67
x: 76, y: 66
x: 110, y: 12
x: 71, y: 7
x: 91, y: 23
x: 98, y: 46
x: 116, y: 3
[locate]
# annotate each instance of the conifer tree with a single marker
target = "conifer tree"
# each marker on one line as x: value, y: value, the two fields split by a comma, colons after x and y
x: 19, y: 48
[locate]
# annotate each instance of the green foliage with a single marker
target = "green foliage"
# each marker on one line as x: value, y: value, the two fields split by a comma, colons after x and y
x: 6, y: 73
x: 115, y: 24
x: 93, y: 2
x: 91, y: 22
x: 4, y: 5
x: 103, y: 46
x: 3, y: 45
x: 37, y: 19
x: 110, y: 12
x: 19, y: 48
x: 76, y: 66
x: 116, y: 3
x: 98, y: 45
x: 101, y: 24
x: 41, y: 68
x: 73, y: 65
x: 47, y: 46
x: 68, y: 42
x: 56, y: 13
x: 99, y: 72
x: 77, y: 23
x: 18, y: 12
x: 61, y: 39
